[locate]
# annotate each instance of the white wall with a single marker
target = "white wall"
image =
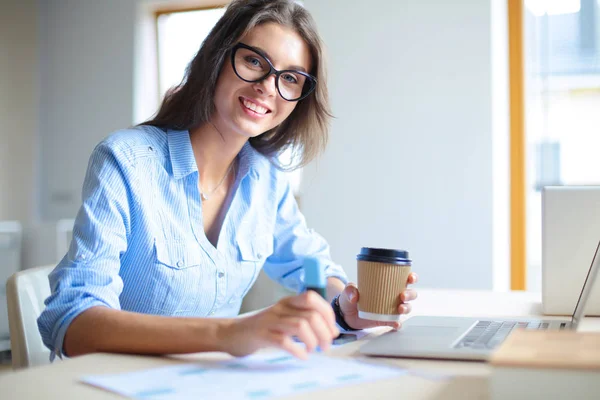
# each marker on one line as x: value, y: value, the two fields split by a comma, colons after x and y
x: 67, y: 79
x: 18, y: 108
x: 410, y: 160
x: 18, y: 129
x: 501, y: 145
x: 87, y: 58
x: 19, y: 116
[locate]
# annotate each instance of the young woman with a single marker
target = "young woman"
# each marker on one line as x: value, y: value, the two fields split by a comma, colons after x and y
x: 181, y: 213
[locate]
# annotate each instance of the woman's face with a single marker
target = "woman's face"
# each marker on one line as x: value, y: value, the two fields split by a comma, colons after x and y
x: 250, y: 109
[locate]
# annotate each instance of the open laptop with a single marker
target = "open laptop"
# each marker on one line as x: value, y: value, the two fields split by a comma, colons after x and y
x: 464, y: 338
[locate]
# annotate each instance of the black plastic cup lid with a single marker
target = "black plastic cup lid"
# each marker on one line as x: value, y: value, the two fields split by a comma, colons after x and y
x: 388, y: 256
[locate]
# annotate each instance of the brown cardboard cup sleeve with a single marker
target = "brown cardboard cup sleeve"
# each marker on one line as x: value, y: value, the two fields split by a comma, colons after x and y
x: 382, y: 276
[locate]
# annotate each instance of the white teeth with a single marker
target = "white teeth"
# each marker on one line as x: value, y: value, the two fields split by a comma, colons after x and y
x: 256, y: 108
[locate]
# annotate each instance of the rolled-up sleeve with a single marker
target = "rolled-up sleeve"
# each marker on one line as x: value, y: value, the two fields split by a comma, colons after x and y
x: 293, y: 241
x: 88, y: 275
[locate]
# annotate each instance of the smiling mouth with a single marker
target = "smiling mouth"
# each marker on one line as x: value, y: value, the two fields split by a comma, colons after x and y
x: 254, y: 107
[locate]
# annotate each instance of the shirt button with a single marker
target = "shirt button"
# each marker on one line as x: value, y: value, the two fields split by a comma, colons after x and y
x: 221, y: 274
x: 259, y: 255
x: 212, y: 313
x: 150, y: 148
x: 180, y: 264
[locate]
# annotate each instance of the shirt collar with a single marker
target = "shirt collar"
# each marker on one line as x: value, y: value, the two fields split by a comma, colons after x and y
x: 249, y: 159
x: 181, y: 153
x: 183, y: 161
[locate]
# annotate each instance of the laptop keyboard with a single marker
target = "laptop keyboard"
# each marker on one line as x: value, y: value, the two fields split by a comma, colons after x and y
x: 489, y: 334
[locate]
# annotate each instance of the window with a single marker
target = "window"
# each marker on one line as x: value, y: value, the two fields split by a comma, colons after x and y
x: 180, y: 35
x: 562, y: 99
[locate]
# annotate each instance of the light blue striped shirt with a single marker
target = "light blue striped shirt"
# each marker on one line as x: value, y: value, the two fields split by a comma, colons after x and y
x: 139, y: 242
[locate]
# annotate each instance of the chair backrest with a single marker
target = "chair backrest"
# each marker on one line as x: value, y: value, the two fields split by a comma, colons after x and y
x: 26, y: 291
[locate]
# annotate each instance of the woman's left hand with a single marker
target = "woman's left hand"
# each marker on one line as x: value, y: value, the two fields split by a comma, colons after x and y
x: 349, y: 306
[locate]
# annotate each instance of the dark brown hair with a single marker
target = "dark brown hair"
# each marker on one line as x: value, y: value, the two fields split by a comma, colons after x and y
x: 190, y: 104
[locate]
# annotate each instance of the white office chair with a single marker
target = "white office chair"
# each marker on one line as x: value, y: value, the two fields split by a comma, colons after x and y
x: 26, y: 291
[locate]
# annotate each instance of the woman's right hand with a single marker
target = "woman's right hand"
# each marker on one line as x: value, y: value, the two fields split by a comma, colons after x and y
x: 307, y: 316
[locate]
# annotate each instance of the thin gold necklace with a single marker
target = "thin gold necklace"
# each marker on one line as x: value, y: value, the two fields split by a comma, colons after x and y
x: 206, y: 195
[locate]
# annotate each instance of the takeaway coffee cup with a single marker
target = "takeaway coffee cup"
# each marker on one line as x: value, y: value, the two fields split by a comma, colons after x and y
x: 382, y: 276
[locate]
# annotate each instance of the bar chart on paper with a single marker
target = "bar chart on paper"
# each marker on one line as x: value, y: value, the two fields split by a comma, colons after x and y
x: 259, y: 376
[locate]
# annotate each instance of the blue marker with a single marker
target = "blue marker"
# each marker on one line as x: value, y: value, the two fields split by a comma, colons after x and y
x: 314, y: 276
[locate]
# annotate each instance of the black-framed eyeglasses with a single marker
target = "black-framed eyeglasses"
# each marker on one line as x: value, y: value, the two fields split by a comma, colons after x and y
x: 251, y: 65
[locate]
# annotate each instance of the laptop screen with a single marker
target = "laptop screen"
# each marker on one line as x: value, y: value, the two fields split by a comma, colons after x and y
x: 586, y: 290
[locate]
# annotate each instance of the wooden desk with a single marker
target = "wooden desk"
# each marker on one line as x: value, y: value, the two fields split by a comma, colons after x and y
x: 60, y: 381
